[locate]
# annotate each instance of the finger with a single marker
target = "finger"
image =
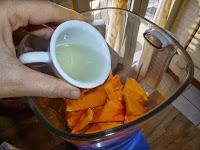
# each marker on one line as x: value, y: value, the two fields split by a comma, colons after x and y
x: 6, y: 36
x: 33, y: 83
x: 45, y: 33
x: 49, y: 86
x: 39, y: 12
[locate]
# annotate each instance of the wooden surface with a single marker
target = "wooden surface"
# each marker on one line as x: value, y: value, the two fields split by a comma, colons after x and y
x: 169, y: 130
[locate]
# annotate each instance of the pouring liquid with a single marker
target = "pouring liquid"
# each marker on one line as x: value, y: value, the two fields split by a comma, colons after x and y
x: 79, y: 61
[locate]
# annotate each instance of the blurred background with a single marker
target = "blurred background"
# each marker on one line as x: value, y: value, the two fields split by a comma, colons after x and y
x: 181, y: 17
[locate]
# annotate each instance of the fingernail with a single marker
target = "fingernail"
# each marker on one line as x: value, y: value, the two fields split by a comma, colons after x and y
x: 74, y: 94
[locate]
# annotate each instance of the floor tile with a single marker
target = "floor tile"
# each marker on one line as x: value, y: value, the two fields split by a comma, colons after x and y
x: 187, y: 109
x: 193, y: 95
x: 196, y: 102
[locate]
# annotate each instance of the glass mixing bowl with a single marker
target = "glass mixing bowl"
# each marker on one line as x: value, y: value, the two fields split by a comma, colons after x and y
x: 139, y: 49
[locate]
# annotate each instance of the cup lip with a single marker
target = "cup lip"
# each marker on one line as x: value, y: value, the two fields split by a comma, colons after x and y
x: 60, y: 71
x: 169, y: 100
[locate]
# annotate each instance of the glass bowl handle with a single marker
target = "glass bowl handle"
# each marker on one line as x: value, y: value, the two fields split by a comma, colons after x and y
x: 157, y: 38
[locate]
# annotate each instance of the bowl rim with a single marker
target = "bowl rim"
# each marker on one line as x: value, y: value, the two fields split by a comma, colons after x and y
x: 84, y: 137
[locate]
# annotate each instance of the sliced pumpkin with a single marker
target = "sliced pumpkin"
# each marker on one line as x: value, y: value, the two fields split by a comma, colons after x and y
x: 84, y: 91
x: 112, y: 111
x: 94, y: 98
x: 129, y: 118
x: 110, y: 76
x: 85, y: 119
x: 113, y: 88
x: 133, y: 106
x: 97, y: 127
x: 113, y: 84
x: 97, y: 111
x: 131, y: 85
x: 73, y: 117
x: 116, y: 83
x: 83, y: 130
x: 116, y: 95
x: 106, y: 106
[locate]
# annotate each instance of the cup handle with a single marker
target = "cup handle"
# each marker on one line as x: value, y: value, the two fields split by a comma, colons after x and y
x: 34, y: 57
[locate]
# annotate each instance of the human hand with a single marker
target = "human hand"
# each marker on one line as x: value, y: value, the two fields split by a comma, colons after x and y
x: 15, y: 78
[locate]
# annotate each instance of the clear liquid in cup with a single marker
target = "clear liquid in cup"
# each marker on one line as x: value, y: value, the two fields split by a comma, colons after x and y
x: 79, y: 61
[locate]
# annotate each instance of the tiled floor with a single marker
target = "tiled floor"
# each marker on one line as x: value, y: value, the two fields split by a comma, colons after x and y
x: 189, y: 104
x: 193, y: 95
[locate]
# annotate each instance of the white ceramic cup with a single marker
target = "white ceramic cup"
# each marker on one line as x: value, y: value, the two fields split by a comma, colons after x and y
x: 73, y: 31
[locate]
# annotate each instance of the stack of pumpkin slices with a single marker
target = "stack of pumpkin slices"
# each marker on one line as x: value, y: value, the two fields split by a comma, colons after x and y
x: 107, y: 106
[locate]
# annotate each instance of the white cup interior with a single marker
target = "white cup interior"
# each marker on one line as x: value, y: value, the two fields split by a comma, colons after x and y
x: 75, y: 31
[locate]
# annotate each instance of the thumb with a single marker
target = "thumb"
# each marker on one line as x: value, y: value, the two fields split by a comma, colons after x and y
x: 39, y: 84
